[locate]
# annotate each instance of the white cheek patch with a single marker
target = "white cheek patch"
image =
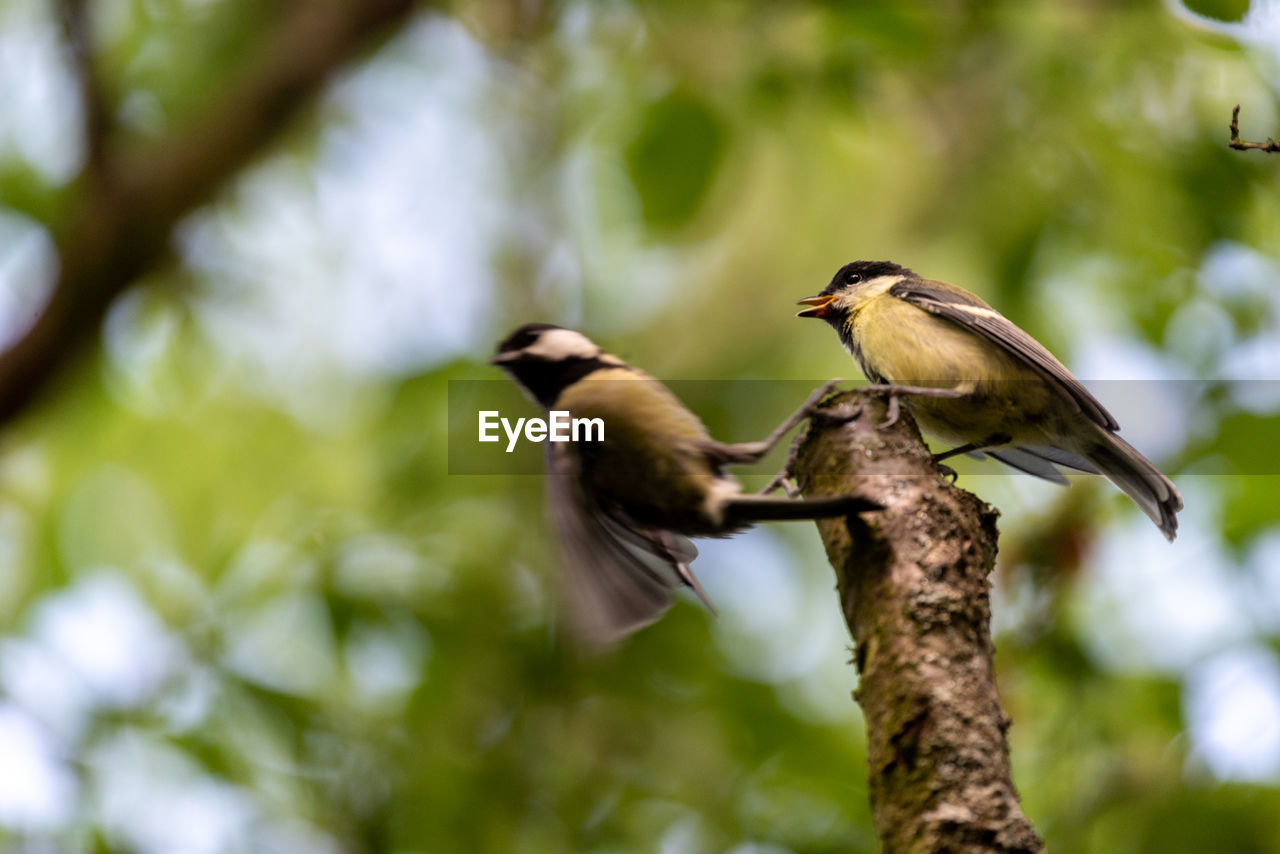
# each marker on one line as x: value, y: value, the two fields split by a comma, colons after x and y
x: 876, y: 287
x: 557, y: 344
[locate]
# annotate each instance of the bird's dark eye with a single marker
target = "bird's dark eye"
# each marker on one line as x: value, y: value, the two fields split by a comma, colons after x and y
x: 852, y: 278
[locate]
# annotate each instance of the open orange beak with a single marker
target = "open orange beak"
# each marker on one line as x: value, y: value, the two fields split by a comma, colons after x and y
x: 819, y: 306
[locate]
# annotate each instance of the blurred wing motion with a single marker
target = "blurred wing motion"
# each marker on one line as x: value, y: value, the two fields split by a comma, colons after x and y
x: 619, y: 576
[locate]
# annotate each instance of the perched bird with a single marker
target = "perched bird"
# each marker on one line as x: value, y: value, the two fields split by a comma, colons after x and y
x: 624, y: 506
x: 1018, y: 403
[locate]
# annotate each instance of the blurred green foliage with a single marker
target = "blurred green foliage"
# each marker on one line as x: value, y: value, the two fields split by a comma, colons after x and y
x: 244, y: 602
x: 673, y: 159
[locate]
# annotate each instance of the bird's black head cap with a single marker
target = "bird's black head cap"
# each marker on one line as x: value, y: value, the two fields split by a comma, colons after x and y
x: 524, y: 336
x: 863, y: 271
x: 545, y: 359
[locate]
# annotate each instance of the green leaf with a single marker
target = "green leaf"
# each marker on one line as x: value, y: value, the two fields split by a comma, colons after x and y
x: 674, y: 158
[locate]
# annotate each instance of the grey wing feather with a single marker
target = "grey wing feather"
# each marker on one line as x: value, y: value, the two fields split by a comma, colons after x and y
x: 619, y: 577
x: 1039, y: 460
x: 993, y: 326
x: 1061, y: 457
x: 1029, y: 463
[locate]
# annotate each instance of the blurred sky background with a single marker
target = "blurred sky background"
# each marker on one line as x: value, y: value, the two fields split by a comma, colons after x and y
x: 244, y: 606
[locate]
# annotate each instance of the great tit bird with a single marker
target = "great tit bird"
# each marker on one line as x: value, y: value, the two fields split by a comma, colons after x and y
x: 1019, y: 405
x: 624, y: 506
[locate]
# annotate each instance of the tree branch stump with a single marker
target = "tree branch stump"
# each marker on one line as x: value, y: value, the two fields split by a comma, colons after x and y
x: 913, y: 584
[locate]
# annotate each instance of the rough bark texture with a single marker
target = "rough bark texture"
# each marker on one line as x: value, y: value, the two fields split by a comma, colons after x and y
x: 913, y: 585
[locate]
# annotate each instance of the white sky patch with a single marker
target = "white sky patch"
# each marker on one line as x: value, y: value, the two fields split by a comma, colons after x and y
x: 1253, y: 365
x: 291, y: 836
x: 1149, y: 395
x: 1234, y: 270
x: 685, y: 835
x: 758, y: 848
x: 188, y: 698
x: 40, y: 122
x: 154, y: 799
x: 1234, y: 273
x: 632, y: 281
x: 780, y: 620
x: 1019, y: 496
x: 38, y: 680
x: 286, y: 643
x: 1150, y: 605
x: 1257, y: 30
x: 384, y: 664
x: 581, y: 220
x: 383, y: 566
x: 108, y: 636
x: 761, y: 603
x: 1232, y: 707
x: 374, y: 256
x: 1264, y: 574
x: 1074, y: 287
x: 1199, y: 332
x: 28, y: 265
x: 37, y: 788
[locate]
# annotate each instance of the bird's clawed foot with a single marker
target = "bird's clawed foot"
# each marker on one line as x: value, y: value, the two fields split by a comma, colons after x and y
x: 946, y: 471
x: 896, y: 392
x: 810, y: 410
x: 893, y: 410
x: 785, y: 479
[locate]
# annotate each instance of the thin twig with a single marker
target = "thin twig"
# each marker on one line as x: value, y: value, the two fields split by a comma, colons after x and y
x: 1270, y: 146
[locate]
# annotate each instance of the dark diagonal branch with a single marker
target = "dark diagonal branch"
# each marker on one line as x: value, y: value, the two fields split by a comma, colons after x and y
x: 93, y: 103
x: 1270, y: 146
x: 913, y: 585
x: 120, y: 225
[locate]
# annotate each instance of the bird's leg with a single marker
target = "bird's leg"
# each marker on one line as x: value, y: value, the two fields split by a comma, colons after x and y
x: 796, y: 417
x: 810, y: 409
x: 783, y: 478
x: 893, y: 409
x: 995, y: 440
x: 746, y: 453
x: 894, y: 392
x: 958, y: 450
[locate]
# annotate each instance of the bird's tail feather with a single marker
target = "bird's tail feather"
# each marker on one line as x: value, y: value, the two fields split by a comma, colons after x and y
x: 1139, y: 479
x: 742, y: 509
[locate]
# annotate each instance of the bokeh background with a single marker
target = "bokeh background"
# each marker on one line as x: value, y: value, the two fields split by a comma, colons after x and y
x: 244, y: 606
